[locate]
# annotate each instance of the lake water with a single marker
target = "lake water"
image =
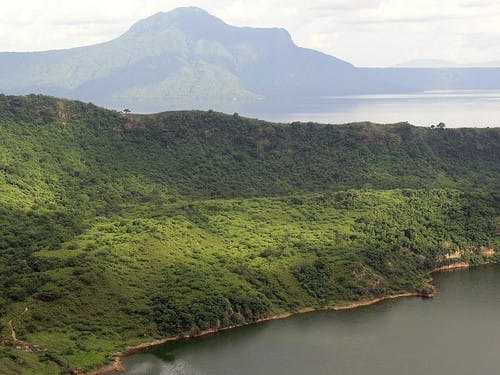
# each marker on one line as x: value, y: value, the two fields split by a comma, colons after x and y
x: 457, y: 332
x: 454, y: 108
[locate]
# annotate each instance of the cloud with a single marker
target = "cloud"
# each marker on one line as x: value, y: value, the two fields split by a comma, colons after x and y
x: 478, y: 3
x: 328, y: 7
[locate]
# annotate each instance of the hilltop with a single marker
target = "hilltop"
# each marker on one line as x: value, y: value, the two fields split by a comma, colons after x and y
x: 206, y: 154
x: 118, y: 229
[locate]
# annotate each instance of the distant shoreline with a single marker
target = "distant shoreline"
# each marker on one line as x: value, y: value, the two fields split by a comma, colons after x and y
x: 118, y: 366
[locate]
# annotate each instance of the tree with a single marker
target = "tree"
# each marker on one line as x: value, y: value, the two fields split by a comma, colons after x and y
x: 441, y: 125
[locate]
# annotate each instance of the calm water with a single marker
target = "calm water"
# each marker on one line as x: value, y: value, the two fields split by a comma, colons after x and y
x: 457, y: 332
x: 454, y: 108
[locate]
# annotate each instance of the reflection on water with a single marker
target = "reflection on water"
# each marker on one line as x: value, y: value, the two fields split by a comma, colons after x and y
x: 454, y: 108
x: 151, y: 364
x: 457, y: 332
x: 464, y: 108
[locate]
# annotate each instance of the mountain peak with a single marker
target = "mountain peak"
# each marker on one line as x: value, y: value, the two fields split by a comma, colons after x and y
x: 191, y: 24
x: 189, y: 11
x: 187, y: 18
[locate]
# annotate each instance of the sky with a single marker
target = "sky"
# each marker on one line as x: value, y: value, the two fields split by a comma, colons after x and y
x: 363, y: 32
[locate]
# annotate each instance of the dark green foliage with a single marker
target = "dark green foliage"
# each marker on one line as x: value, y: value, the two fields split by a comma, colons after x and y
x: 215, y: 155
x: 314, y: 278
x: 117, y: 229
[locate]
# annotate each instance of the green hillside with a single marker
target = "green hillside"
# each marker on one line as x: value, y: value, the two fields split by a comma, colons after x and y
x: 117, y: 229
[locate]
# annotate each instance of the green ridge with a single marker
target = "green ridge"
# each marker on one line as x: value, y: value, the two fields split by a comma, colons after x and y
x: 117, y: 229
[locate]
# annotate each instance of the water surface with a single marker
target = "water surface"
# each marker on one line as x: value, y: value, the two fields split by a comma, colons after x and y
x: 457, y: 332
x: 464, y: 108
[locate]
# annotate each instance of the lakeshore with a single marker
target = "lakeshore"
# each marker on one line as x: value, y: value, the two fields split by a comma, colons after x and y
x: 382, y: 338
x: 118, y: 366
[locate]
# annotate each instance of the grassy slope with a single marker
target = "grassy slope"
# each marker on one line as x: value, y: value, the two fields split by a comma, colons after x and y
x: 120, y: 229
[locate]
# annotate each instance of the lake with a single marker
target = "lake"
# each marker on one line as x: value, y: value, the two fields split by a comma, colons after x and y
x: 457, y: 332
x: 454, y: 108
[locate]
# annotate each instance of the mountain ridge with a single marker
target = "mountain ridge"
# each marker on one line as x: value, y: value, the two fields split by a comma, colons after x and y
x: 436, y: 63
x: 187, y: 58
x: 163, y: 56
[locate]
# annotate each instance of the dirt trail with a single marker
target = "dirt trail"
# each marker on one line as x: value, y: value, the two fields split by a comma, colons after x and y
x: 11, y: 325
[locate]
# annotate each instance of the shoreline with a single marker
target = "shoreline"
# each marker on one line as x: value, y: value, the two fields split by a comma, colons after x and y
x: 453, y: 267
x: 118, y: 366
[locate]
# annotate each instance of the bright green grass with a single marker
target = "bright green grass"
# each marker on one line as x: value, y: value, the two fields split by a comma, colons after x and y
x: 223, y: 262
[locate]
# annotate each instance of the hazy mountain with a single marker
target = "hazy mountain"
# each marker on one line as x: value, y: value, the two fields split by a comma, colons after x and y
x: 182, y: 55
x: 490, y: 64
x: 435, y: 63
x: 428, y: 63
x: 426, y: 79
x: 188, y: 58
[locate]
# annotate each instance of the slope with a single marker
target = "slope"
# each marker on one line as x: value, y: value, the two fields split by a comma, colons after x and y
x: 118, y: 229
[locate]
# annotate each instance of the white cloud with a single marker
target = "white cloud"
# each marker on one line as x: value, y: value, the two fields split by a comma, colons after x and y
x: 364, y: 32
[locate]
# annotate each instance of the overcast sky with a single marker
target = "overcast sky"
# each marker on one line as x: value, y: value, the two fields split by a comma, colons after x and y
x: 363, y: 32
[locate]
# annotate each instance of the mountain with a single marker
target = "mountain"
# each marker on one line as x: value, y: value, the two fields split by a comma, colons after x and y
x: 117, y: 229
x: 434, y: 63
x: 184, y: 55
x: 433, y: 79
x: 428, y: 63
x: 188, y: 58
x: 490, y: 64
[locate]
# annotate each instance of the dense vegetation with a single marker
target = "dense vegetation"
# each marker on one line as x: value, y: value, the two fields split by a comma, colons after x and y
x: 116, y: 229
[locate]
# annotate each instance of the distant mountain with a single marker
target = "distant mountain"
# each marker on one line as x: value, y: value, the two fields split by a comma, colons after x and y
x: 188, y: 58
x: 434, y: 63
x: 183, y: 55
x: 490, y: 64
x: 428, y: 63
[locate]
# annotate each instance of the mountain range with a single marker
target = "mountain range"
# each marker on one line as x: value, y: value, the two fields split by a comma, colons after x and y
x: 436, y: 63
x: 187, y: 58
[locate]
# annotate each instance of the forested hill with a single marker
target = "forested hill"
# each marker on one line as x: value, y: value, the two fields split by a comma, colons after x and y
x: 117, y: 229
x: 71, y: 146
